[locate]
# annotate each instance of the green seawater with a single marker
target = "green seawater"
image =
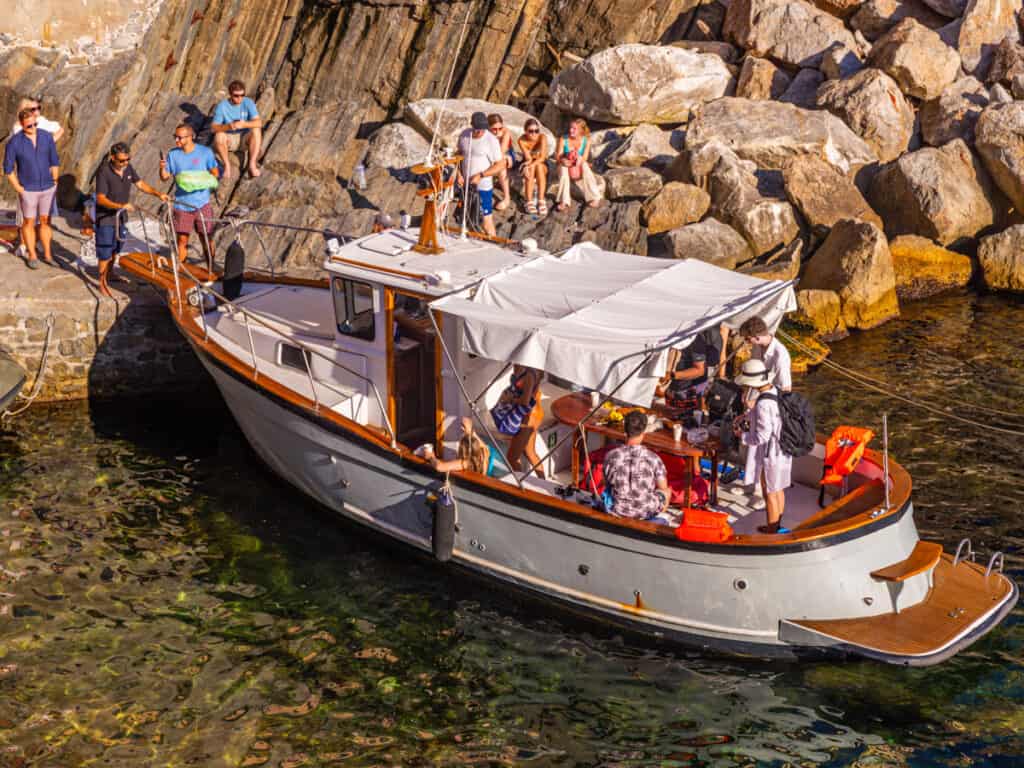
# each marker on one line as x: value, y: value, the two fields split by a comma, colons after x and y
x: 166, y: 601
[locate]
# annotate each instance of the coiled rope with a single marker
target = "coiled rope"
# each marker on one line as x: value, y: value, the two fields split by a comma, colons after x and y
x: 890, y: 391
x: 37, y: 385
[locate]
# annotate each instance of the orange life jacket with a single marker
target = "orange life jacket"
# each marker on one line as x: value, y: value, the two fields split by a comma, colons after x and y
x: 843, y: 452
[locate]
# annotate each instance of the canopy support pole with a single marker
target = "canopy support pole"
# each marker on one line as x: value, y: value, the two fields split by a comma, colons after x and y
x: 470, y: 402
x: 593, y: 410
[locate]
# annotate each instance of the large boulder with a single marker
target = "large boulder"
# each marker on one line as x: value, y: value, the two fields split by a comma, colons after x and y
x: 614, y: 227
x: 1007, y: 63
x: 1002, y: 259
x: 791, y: 32
x: 986, y: 23
x: 821, y: 310
x: 736, y: 199
x: 924, y: 269
x: 631, y: 183
x: 854, y: 261
x: 954, y: 114
x: 824, y: 195
x: 760, y: 79
x: 999, y: 139
x: 839, y: 62
x: 870, y: 103
x: 942, y: 193
x: 803, y: 90
x: 769, y: 133
x: 676, y: 205
x: 711, y: 241
x: 648, y: 146
x: 455, y: 114
x: 876, y: 17
x: 396, y: 146
x: 633, y: 83
x: 916, y: 58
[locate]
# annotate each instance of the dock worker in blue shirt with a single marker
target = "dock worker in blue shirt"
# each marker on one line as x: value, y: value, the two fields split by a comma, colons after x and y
x: 236, y: 119
x: 32, y: 166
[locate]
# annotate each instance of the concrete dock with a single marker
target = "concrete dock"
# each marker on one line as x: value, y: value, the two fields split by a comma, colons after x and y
x: 98, y: 347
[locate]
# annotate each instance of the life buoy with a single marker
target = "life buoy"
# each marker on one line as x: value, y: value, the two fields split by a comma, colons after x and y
x: 843, y: 452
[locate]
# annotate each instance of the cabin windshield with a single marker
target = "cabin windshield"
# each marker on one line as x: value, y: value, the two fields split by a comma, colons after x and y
x: 353, y: 308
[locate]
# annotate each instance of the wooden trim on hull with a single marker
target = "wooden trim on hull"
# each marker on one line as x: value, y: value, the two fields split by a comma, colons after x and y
x: 962, y: 606
x: 861, y: 524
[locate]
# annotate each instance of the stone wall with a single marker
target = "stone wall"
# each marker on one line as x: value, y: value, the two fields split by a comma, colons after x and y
x: 98, y: 348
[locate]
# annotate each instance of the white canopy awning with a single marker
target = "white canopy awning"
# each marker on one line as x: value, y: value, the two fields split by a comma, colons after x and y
x: 594, y: 317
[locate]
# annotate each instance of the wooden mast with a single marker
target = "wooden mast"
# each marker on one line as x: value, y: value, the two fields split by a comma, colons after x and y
x: 428, y: 242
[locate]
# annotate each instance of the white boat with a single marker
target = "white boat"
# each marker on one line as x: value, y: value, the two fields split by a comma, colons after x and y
x: 336, y: 405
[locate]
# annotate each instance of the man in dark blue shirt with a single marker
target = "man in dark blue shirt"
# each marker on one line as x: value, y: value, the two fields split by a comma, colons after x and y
x: 32, y: 165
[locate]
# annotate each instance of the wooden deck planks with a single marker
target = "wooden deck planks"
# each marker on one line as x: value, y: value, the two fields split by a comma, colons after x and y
x: 960, y: 597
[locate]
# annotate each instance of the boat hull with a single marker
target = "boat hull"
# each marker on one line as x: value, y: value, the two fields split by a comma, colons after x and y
x: 709, y: 596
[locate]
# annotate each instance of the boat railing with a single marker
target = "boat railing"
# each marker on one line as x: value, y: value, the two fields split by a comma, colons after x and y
x: 196, y: 295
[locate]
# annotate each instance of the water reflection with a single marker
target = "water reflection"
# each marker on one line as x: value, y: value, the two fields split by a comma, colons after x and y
x: 164, y: 601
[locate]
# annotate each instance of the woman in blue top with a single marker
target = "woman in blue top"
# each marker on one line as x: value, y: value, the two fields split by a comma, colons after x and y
x: 574, y: 167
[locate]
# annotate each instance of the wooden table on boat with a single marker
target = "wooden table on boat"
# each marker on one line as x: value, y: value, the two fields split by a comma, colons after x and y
x: 573, y: 409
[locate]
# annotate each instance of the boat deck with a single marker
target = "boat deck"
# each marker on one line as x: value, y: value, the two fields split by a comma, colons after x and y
x: 961, y: 601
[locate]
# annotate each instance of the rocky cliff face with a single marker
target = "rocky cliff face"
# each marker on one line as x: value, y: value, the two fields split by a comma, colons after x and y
x: 327, y: 73
x: 742, y: 132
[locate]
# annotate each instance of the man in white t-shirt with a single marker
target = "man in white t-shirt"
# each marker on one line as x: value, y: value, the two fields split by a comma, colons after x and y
x: 771, y: 351
x: 482, y: 160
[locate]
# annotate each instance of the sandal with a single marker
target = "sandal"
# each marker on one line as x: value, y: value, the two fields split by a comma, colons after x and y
x: 542, y: 208
x: 531, y: 206
x: 561, y: 207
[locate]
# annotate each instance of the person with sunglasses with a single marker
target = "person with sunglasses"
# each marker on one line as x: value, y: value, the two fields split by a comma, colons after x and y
x: 43, y: 123
x: 195, y: 172
x: 234, y: 119
x: 534, y: 146
x: 114, y: 181
x: 32, y: 167
x: 496, y: 125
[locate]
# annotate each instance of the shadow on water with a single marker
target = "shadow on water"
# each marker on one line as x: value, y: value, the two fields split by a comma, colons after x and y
x: 165, y: 600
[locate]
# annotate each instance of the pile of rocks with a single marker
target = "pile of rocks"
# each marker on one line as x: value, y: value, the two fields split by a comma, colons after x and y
x: 874, y: 148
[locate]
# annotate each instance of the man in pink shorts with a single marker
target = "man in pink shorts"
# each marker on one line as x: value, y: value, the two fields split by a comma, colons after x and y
x: 32, y: 165
x: 194, y: 170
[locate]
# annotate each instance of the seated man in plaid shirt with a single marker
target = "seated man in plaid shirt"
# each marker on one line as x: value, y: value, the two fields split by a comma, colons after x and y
x: 635, y: 475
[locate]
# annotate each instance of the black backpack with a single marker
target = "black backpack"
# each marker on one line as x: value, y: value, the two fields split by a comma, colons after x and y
x: 723, y: 398
x: 797, y: 437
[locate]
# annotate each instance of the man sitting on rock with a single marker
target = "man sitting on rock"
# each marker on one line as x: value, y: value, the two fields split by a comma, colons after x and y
x: 482, y: 160
x: 635, y: 475
x: 234, y: 119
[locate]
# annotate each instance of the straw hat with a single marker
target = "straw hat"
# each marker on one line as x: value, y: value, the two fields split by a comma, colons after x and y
x: 753, y: 374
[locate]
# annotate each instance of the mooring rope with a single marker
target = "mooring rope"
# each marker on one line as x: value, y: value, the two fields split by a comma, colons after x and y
x: 37, y: 385
x: 889, y: 391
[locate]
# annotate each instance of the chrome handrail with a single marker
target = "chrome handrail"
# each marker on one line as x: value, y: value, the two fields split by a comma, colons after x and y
x: 202, y: 289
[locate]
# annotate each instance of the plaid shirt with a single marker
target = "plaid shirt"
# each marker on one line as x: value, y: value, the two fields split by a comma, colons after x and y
x: 632, y: 473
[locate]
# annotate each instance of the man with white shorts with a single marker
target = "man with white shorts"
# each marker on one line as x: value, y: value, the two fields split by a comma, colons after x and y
x: 767, y: 463
x: 32, y: 167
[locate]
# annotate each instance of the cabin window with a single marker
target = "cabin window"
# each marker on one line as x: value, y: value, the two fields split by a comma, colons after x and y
x: 353, y: 308
x: 290, y: 356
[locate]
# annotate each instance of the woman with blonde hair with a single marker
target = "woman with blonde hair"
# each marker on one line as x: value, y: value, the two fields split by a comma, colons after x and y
x: 472, y: 453
x: 574, y: 167
x: 534, y: 146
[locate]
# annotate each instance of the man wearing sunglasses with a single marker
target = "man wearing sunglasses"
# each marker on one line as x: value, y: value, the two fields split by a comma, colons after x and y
x: 114, y: 182
x: 195, y: 172
x: 234, y: 119
x: 32, y: 166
